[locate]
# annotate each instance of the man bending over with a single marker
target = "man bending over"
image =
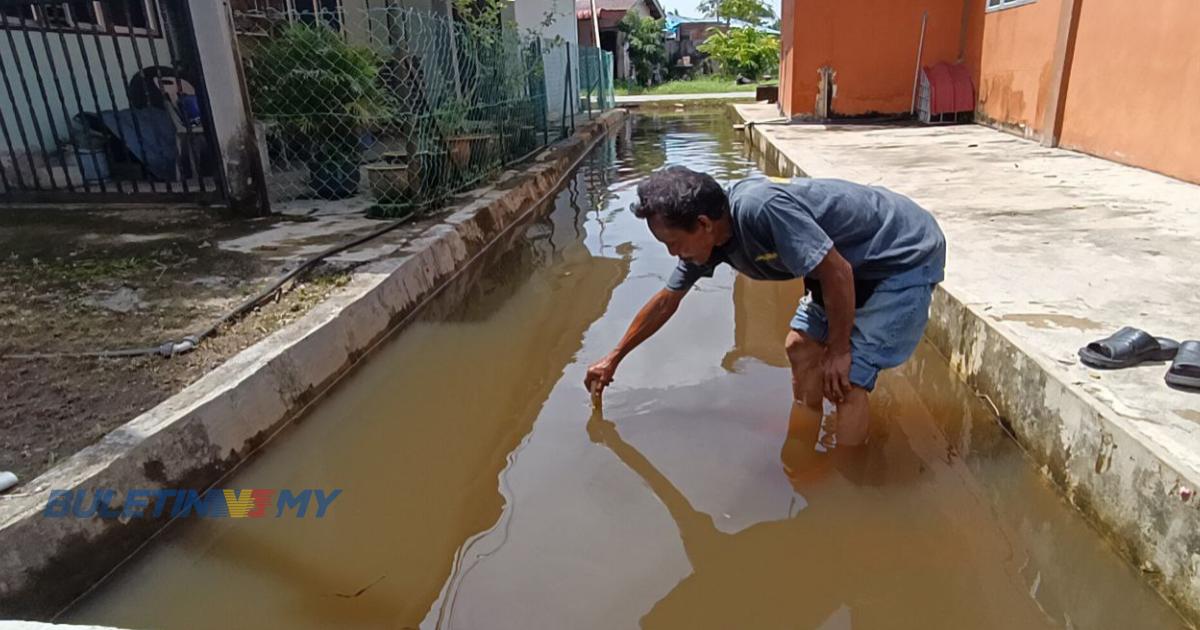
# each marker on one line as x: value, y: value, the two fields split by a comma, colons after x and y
x: 869, y: 258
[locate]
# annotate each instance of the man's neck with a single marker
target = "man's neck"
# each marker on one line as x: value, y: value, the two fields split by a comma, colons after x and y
x: 724, y: 230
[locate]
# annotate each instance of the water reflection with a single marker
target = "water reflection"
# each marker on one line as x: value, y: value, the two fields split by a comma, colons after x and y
x: 479, y: 491
x: 762, y: 316
x: 729, y: 568
x: 415, y: 438
x: 746, y: 525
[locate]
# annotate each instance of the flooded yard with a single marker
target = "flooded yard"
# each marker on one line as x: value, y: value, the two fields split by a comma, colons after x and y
x: 481, y: 490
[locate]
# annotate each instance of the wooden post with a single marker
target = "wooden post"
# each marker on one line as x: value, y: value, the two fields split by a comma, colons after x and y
x: 917, y: 73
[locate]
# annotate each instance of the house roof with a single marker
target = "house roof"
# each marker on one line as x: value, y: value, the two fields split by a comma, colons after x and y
x: 583, y: 8
x: 673, y: 21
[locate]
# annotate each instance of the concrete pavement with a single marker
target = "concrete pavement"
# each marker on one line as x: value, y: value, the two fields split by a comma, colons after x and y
x: 1049, y: 249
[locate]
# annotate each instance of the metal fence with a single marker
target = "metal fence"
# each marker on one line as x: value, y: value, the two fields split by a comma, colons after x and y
x: 596, y: 79
x: 399, y: 106
x: 103, y: 101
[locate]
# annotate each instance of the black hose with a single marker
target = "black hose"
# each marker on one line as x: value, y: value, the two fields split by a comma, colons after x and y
x: 190, y: 342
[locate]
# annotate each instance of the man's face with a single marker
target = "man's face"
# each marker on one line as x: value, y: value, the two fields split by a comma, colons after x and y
x: 695, y: 246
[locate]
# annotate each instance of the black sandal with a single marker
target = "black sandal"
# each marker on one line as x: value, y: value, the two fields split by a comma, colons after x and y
x: 1126, y: 347
x: 1185, y: 370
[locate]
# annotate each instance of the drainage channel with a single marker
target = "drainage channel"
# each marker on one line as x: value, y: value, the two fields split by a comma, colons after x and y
x: 480, y: 490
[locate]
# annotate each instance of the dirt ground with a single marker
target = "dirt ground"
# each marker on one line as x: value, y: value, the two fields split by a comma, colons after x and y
x: 79, y: 281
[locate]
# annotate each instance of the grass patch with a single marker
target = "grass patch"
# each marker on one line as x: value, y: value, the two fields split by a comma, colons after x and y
x: 702, y: 85
x: 85, y: 271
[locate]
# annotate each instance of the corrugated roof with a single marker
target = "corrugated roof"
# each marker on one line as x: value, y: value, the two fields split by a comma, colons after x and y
x: 583, y: 8
x: 673, y: 22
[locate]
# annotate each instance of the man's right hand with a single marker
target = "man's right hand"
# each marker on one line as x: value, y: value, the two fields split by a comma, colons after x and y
x: 649, y: 319
x: 600, y: 373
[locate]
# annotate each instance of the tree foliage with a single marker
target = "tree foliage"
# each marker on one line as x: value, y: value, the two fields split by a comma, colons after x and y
x: 749, y: 11
x: 314, y: 83
x: 646, y: 49
x: 743, y: 51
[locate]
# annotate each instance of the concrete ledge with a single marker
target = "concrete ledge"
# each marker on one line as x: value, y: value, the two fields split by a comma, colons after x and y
x: 1135, y: 490
x: 1130, y: 489
x: 193, y: 438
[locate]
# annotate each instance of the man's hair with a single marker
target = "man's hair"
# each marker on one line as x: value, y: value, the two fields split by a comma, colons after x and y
x: 679, y: 196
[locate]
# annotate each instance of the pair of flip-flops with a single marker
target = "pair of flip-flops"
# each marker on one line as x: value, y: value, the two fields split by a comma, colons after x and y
x: 1130, y: 346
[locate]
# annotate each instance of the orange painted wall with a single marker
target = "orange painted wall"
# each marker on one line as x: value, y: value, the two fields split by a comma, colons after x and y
x: 871, y: 45
x: 1012, y: 57
x: 1134, y: 90
x: 787, y: 13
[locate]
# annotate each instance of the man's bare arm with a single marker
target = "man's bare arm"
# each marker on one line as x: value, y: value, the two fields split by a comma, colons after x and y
x: 649, y: 319
x: 837, y: 286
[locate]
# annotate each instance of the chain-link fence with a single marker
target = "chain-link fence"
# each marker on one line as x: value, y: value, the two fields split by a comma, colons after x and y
x: 596, y: 79
x: 400, y: 106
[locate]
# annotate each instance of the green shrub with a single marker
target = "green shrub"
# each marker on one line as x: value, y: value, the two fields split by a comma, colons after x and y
x: 312, y: 83
x: 743, y: 51
x: 646, y: 49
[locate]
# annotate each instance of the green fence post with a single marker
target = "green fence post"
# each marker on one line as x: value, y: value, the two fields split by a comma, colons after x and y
x: 589, y: 84
x: 568, y: 84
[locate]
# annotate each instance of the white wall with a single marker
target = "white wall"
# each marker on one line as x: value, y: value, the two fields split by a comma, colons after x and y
x: 215, y: 41
x: 529, y: 15
x: 365, y: 22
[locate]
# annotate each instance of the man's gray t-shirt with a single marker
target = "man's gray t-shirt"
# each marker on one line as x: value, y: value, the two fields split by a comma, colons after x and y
x: 782, y: 230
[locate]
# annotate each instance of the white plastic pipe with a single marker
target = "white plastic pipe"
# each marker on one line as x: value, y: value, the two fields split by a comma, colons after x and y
x: 595, y: 25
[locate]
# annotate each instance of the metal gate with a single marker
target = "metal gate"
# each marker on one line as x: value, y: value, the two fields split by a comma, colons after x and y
x: 104, y: 101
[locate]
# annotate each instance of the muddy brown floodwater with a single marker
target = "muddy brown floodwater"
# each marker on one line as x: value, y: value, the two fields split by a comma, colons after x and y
x: 480, y: 490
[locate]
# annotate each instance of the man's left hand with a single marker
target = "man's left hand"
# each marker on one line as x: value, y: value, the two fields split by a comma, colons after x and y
x: 837, y: 375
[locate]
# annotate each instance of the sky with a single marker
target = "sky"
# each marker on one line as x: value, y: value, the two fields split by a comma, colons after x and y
x: 688, y: 7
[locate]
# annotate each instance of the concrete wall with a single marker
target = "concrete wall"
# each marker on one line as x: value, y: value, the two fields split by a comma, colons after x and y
x: 361, y: 28
x: 1134, y: 89
x: 365, y: 22
x: 1131, y: 80
x: 789, y: 96
x: 240, y: 163
x: 691, y: 35
x: 871, y: 47
x: 423, y: 27
x: 1011, y: 56
x: 622, y: 67
x: 530, y: 16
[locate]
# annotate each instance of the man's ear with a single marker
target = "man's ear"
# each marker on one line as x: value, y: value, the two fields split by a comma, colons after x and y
x: 704, y: 223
